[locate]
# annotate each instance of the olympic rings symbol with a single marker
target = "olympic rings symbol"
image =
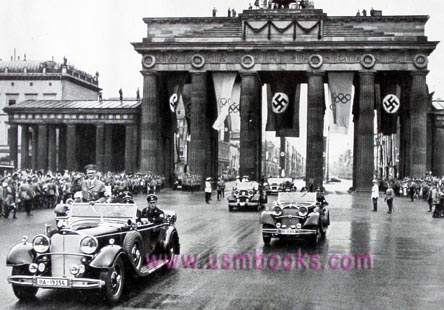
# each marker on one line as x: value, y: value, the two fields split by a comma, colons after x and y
x: 341, y: 98
x: 232, y: 107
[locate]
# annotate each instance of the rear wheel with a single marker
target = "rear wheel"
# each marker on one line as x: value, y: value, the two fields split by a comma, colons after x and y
x: 230, y: 208
x: 114, y: 278
x: 23, y: 292
x: 266, y: 238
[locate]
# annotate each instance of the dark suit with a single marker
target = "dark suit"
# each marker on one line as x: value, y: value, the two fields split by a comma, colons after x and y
x: 154, y: 215
x: 93, y: 190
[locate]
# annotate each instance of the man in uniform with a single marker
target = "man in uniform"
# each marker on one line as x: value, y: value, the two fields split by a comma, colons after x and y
x: 93, y: 190
x: 152, y: 212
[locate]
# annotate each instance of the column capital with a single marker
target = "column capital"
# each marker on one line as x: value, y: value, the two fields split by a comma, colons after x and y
x: 418, y: 72
x: 367, y: 72
x: 149, y: 73
x: 316, y: 73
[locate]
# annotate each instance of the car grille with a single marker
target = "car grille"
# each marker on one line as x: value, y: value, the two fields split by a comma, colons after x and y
x: 290, y: 221
x: 61, y: 263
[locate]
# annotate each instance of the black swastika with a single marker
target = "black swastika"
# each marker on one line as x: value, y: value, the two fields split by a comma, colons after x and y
x: 391, y: 104
x: 280, y: 103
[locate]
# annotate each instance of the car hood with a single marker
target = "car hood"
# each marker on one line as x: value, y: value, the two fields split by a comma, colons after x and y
x: 97, y: 229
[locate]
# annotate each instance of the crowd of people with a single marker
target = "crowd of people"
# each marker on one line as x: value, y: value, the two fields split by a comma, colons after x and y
x: 429, y: 188
x: 28, y: 190
x: 270, y: 5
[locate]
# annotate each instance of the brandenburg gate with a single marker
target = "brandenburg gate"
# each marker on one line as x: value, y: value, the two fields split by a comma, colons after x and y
x: 277, y: 47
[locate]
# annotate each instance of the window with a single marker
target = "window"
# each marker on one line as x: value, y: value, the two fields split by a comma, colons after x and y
x: 30, y: 84
x: 11, y: 102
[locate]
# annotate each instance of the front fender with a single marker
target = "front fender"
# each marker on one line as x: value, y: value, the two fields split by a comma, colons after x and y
x: 106, y: 257
x: 20, y: 254
x: 267, y: 218
x: 313, y: 220
x: 169, y: 237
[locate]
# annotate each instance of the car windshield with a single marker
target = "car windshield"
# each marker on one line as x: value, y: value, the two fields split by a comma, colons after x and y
x: 103, y: 210
x: 297, y: 197
x: 278, y: 180
x: 247, y: 185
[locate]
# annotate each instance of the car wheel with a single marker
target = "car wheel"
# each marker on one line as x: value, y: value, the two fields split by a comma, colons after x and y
x: 169, y: 252
x: 23, y: 292
x: 316, y: 238
x: 266, y: 238
x: 114, y: 278
x: 230, y: 208
x: 132, y: 244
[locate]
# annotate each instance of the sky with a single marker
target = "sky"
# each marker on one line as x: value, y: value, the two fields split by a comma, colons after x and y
x: 95, y: 35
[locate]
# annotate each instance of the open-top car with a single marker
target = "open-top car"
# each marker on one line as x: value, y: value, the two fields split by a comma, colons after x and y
x: 276, y: 185
x: 295, y: 215
x: 95, y: 246
x: 246, y: 195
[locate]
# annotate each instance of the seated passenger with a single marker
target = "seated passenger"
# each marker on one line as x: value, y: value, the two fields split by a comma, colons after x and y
x: 152, y: 212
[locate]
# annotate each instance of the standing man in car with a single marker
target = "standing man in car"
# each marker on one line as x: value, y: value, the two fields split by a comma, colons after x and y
x: 93, y: 190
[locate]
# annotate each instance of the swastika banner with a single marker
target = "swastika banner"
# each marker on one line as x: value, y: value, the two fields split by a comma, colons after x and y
x: 283, y: 105
x: 175, y: 86
x: 340, y: 85
x: 389, y: 105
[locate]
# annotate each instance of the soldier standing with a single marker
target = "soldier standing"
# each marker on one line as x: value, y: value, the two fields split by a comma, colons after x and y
x: 375, y: 195
x: 389, y: 197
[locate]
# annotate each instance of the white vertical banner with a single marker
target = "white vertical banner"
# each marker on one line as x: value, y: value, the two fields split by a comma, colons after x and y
x: 223, y: 87
x: 340, y: 85
x: 235, y: 107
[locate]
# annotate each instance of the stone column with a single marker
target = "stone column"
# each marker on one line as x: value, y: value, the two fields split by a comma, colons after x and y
x: 42, y: 156
x: 365, y: 152
x: 100, y: 147
x: 438, y: 148
x: 315, y: 128
x: 418, y: 124
x: 108, y: 156
x: 130, y: 148
x: 71, y: 147
x: 150, y: 137
x: 25, y: 164
x: 250, y: 125
x: 52, y: 148
x: 199, y: 146
x: 355, y: 133
x: 35, y: 147
x: 13, y: 144
x: 404, y: 139
x: 62, y: 148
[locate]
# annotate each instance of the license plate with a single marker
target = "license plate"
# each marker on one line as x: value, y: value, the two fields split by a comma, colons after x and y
x: 288, y: 231
x: 53, y: 282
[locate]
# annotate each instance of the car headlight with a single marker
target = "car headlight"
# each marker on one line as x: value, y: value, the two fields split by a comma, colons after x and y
x: 250, y: 193
x: 40, y: 243
x: 236, y: 193
x: 89, y: 245
x: 303, y: 211
x: 277, y: 210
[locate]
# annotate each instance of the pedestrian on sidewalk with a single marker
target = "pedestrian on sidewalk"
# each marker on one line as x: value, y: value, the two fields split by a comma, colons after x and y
x: 389, y: 197
x: 375, y: 195
x: 208, y: 190
x: 214, y: 11
x: 220, y: 188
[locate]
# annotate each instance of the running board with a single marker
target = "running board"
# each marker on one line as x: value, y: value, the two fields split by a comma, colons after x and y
x: 146, y: 271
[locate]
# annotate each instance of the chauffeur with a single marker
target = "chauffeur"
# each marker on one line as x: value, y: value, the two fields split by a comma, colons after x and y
x: 93, y: 190
x: 152, y: 212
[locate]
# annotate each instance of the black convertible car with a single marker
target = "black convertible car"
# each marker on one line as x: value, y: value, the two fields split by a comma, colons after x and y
x: 95, y: 246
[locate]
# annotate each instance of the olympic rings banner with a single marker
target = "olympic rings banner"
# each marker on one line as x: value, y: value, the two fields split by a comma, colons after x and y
x: 223, y: 88
x: 340, y: 86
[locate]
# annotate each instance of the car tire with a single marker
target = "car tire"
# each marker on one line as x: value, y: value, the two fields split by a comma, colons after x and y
x: 170, y: 252
x: 132, y: 244
x: 23, y: 292
x: 267, y: 239
x: 230, y: 208
x: 314, y: 241
x: 114, y: 279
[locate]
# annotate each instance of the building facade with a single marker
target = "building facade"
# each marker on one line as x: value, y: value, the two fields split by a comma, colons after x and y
x: 22, y: 80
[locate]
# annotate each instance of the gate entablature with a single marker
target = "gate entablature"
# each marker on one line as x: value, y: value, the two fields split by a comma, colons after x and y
x: 309, y: 44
